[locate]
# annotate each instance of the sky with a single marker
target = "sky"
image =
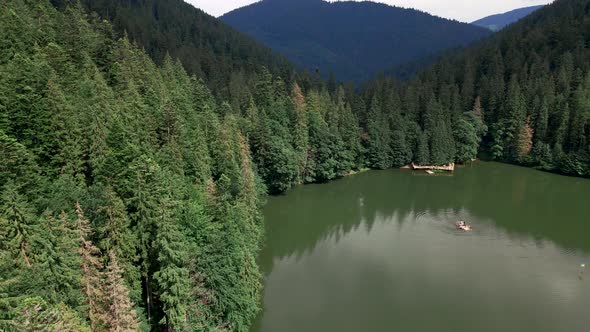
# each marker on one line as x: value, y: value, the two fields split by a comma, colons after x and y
x: 461, y: 10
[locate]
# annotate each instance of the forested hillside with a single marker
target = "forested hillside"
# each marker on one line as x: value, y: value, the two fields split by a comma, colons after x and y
x: 530, y: 84
x: 500, y: 21
x: 130, y: 197
x: 353, y: 40
x: 127, y: 198
x: 206, y: 46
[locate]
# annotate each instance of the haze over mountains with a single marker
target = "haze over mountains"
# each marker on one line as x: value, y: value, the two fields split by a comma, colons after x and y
x: 499, y: 21
x: 354, y: 40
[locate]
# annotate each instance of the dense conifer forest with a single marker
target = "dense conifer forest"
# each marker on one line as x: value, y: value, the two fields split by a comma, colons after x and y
x: 131, y: 192
x: 129, y: 197
x: 530, y: 84
x: 208, y: 48
x: 354, y: 40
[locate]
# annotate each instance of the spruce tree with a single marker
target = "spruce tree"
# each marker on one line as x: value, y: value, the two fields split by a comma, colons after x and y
x: 172, y: 276
x: 57, y: 269
x: 515, y: 118
x: 35, y: 314
x: 300, y: 131
x: 117, y: 237
x: 18, y: 225
x: 92, y: 277
x: 378, y: 145
x: 121, y: 315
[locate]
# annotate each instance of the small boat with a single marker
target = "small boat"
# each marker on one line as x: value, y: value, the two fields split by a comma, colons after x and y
x: 461, y: 225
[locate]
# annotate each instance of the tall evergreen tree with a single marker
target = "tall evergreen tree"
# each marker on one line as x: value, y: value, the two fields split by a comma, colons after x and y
x: 92, y: 278
x: 121, y: 316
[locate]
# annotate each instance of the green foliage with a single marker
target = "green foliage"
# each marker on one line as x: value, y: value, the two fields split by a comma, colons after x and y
x: 467, y: 141
x: 172, y: 179
x: 530, y: 87
x: 172, y: 276
x: 384, y: 36
x: 438, y: 127
x: 205, y: 47
x: 87, y: 118
x: 378, y: 144
x: 18, y: 223
x: 35, y: 314
x: 401, y: 151
x: 468, y: 132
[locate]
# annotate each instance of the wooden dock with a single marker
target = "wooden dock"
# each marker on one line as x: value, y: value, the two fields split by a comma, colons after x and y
x: 448, y: 168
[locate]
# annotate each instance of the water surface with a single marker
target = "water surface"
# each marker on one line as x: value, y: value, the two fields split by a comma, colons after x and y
x: 379, y: 252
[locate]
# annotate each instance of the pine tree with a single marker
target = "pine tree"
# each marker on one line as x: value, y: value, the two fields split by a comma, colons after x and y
x: 18, y: 164
x: 117, y: 237
x: 441, y: 142
x: 95, y: 105
x: 378, y: 144
x: 542, y: 121
x: 525, y: 140
x: 321, y: 154
x: 497, y: 145
x: 515, y: 118
x: 580, y: 117
x: 144, y: 203
x: 301, y: 131
x: 121, y: 316
x: 35, y: 314
x: 57, y: 268
x: 468, y: 132
x: 401, y: 151
x: 23, y: 87
x: 467, y: 140
x: 422, y: 149
x: 274, y: 154
x: 92, y: 278
x: 348, y: 130
x: 67, y: 153
x: 172, y: 277
x: 237, y: 288
x: 18, y: 225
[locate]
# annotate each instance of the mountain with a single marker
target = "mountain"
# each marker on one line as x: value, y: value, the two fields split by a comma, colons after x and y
x: 206, y: 46
x: 354, y: 40
x: 530, y: 83
x: 499, y: 21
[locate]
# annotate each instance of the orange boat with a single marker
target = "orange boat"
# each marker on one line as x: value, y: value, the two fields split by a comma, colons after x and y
x: 461, y: 225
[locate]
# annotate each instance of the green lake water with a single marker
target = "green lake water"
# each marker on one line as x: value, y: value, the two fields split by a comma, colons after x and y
x: 379, y: 252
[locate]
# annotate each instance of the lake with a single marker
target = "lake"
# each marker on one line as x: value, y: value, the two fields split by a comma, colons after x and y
x: 379, y: 251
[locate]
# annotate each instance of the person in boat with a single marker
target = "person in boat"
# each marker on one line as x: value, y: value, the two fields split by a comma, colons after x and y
x: 463, y: 226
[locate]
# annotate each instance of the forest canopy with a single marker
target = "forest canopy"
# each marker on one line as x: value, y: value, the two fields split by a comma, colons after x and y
x: 131, y: 193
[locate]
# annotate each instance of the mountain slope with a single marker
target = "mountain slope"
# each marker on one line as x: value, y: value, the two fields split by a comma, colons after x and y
x: 500, y: 21
x: 206, y: 46
x: 110, y: 159
x: 353, y: 40
x: 530, y: 83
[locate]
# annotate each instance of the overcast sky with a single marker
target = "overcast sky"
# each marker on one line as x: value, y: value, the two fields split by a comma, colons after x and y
x: 462, y: 10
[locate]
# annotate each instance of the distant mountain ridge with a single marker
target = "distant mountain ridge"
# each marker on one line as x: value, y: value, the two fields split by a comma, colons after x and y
x: 499, y: 21
x: 354, y: 40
